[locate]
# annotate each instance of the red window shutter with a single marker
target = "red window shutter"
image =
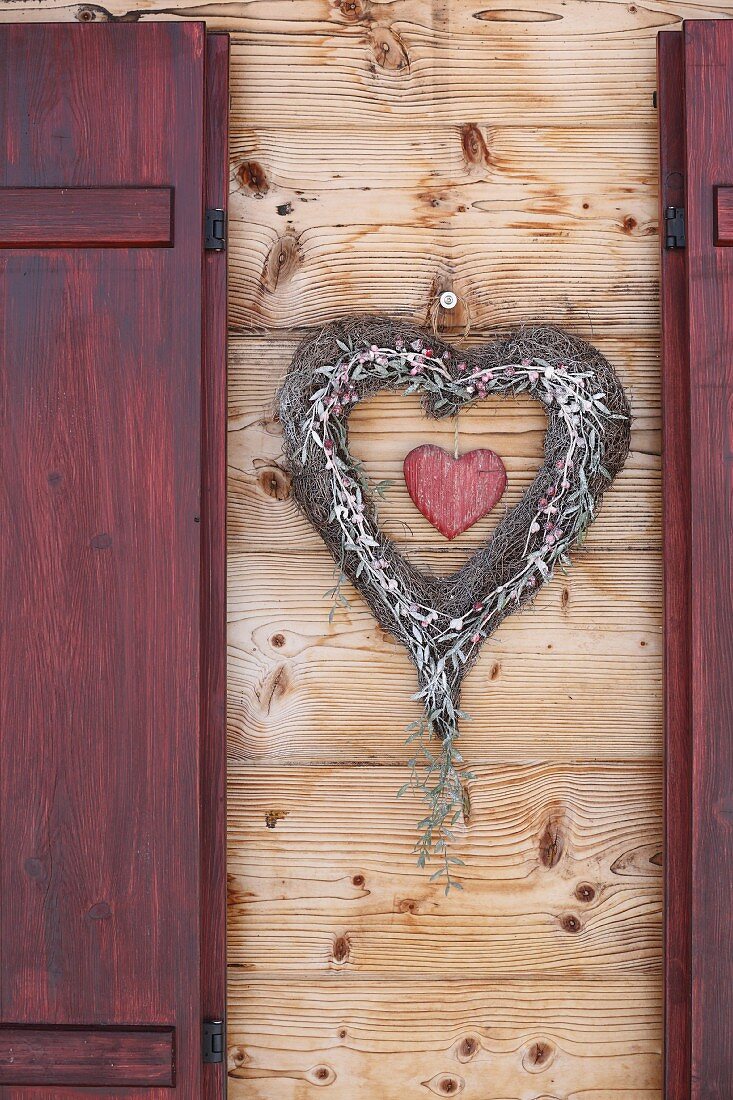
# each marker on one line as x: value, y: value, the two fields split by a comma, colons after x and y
x: 696, y: 105
x: 112, y: 337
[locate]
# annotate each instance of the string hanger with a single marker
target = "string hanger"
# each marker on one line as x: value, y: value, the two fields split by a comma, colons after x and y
x: 440, y: 304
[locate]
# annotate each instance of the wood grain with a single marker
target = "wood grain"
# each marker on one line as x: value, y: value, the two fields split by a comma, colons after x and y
x: 100, y: 450
x: 555, y: 883
x: 87, y: 1057
x: 577, y: 675
x: 677, y: 502
x: 724, y: 216
x: 586, y: 1040
x: 708, y: 52
x: 213, y: 781
x: 453, y: 491
x: 78, y: 217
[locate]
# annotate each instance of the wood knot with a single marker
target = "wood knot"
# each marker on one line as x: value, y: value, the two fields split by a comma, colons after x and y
x: 585, y: 892
x: 352, y: 10
x: 86, y: 15
x: 473, y: 143
x: 273, y: 816
x: 277, y: 641
x: 34, y: 868
x: 358, y: 880
x: 281, y: 262
x: 468, y: 1048
x: 570, y: 923
x: 251, y: 176
x: 321, y: 1075
x: 274, y: 688
x: 237, y: 1057
x: 274, y: 482
x: 341, y: 949
x: 552, y: 841
x: 100, y: 911
x: 564, y: 598
x: 638, y: 861
x: 445, y: 1084
x: 407, y: 905
x: 538, y: 1056
x: 495, y: 670
x: 389, y: 50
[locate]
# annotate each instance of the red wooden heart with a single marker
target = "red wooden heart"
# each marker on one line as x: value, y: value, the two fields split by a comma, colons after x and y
x: 453, y: 493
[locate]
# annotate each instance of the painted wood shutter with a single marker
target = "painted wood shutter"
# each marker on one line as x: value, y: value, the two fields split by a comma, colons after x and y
x: 112, y: 339
x: 696, y: 193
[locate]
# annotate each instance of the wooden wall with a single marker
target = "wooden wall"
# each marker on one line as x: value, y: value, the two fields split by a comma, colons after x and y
x: 382, y: 152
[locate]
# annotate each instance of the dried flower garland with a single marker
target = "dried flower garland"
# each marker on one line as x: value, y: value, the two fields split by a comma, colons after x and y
x: 442, y: 621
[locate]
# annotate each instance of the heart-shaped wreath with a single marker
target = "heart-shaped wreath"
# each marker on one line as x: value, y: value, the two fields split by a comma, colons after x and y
x: 442, y: 621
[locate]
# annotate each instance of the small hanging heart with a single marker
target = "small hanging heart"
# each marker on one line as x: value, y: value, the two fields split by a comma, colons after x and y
x: 443, y: 621
x: 454, y: 493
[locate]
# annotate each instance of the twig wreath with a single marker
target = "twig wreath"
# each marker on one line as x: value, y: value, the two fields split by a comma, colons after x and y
x: 443, y: 620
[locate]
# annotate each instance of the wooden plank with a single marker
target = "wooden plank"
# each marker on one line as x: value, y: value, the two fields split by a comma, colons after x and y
x: 390, y: 1038
x: 383, y: 430
x: 724, y: 216
x: 589, y: 171
x: 286, y: 280
x: 85, y: 217
x: 554, y: 882
x: 708, y: 55
x: 213, y: 567
x: 100, y: 1057
x: 677, y: 508
x: 580, y: 670
x: 459, y: 215
x: 100, y: 450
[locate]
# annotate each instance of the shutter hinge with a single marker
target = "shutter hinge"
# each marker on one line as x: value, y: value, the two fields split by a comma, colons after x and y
x: 674, y: 227
x: 215, y: 229
x: 213, y: 1040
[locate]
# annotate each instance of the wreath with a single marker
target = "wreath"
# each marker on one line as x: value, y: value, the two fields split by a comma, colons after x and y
x: 443, y: 620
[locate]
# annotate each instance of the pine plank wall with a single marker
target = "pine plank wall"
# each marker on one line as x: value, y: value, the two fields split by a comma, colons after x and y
x: 382, y: 152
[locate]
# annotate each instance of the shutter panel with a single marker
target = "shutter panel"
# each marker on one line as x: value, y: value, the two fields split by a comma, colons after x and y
x: 111, y: 384
x: 696, y: 105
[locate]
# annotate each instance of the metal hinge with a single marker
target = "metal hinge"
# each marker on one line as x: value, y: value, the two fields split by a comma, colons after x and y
x: 674, y: 227
x: 213, y: 1040
x: 215, y: 229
